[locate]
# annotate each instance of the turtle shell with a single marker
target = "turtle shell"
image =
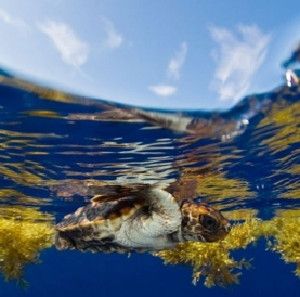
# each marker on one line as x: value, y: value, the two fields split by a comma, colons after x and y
x: 101, y: 209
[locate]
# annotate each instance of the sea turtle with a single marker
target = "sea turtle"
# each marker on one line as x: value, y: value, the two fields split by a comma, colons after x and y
x: 148, y: 219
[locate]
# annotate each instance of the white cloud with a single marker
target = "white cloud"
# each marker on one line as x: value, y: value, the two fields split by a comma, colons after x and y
x: 239, y: 57
x: 177, y: 62
x: 73, y: 51
x: 173, y: 72
x: 113, y: 38
x: 163, y: 90
x: 8, y: 19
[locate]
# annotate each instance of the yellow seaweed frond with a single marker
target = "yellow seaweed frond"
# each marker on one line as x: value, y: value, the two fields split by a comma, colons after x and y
x: 22, y: 176
x: 288, y: 213
x: 43, y: 113
x: 282, y: 113
x: 11, y: 134
x: 213, y: 261
x: 292, y: 190
x: 284, y: 117
x: 295, y: 169
x: 24, y: 232
x: 286, y: 120
x: 42, y: 92
x: 13, y: 196
x: 287, y: 240
x: 214, y: 185
x: 217, y: 186
x: 240, y: 214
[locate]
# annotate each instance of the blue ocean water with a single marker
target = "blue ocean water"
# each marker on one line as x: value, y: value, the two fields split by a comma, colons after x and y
x: 57, y: 150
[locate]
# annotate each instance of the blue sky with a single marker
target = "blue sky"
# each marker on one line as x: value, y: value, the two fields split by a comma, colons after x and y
x: 168, y: 53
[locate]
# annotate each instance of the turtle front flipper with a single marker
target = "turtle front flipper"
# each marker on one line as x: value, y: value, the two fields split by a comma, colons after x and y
x: 113, y: 192
x: 94, y: 188
x: 161, y: 215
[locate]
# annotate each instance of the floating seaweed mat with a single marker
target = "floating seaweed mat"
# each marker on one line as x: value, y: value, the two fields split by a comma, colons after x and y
x: 23, y: 235
x: 214, y: 261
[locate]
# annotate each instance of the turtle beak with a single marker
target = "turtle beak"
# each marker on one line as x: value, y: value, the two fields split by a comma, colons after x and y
x: 62, y: 241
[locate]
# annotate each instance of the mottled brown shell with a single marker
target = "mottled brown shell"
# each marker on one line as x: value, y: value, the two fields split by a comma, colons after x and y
x: 77, y: 230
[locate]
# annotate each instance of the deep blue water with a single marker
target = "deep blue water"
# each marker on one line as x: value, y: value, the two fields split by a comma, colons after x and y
x: 74, y: 274
x: 244, y: 161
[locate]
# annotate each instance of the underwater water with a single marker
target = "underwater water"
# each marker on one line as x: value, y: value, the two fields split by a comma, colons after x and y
x: 58, y: 150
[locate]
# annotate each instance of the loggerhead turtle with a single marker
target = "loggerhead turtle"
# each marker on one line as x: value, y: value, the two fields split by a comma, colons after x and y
x: 145, y: 220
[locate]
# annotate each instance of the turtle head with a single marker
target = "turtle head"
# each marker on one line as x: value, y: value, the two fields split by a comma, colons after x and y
x: 201, y: 222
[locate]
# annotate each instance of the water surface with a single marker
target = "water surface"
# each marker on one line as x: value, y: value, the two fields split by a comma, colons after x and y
x: 57, y: 150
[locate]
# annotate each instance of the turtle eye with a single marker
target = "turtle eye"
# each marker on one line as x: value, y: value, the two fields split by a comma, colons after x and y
x: 210, y: 223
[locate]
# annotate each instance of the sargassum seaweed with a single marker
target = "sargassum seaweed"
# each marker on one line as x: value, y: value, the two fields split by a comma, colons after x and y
x: 214, y: 262
x: 24, y: 232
